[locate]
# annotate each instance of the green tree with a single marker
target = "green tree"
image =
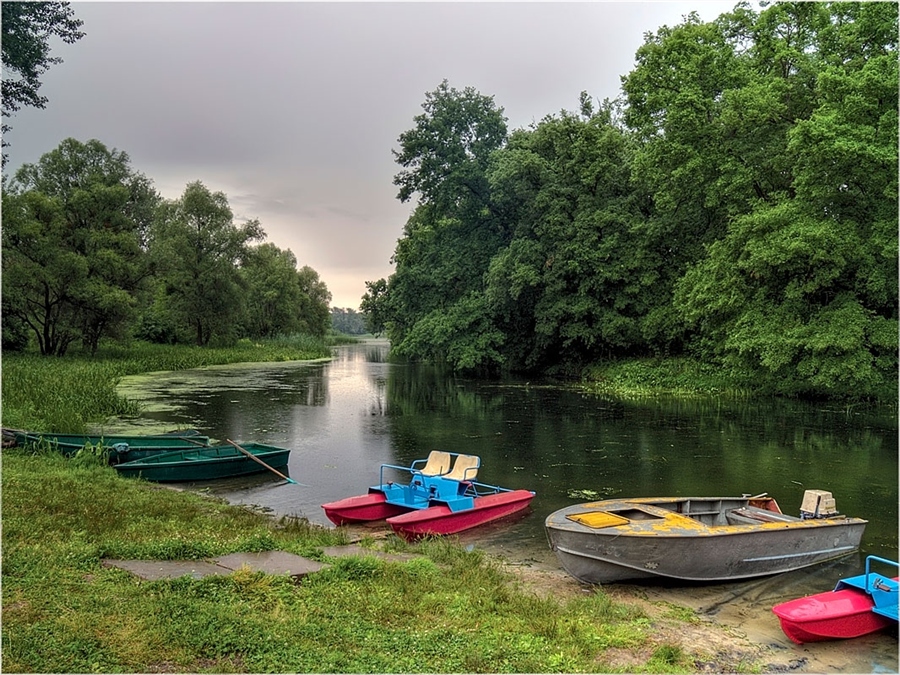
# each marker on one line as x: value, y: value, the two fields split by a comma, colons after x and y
x: 198, y: 248
x: 452, y: 234
x: 280, y: 299
x: 27, y: 28
x: 801, y: 286
x: 273, y: 291
x: 575, y: 281
x: 315, y: 318
x: 82, y: 214
x: 348, y: 321
x: 445, y: 155
x: 374, y: 308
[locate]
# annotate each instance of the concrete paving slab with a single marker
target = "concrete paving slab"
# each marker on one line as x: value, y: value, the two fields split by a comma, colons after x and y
x: 152, y: 570
x: 271, y: 562
x: 353, y: 549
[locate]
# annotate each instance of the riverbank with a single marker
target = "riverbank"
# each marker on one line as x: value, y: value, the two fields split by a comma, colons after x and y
x: 68, y: 394
x: 451, y: 610
x: 684, y: 377
x: 359, y: 599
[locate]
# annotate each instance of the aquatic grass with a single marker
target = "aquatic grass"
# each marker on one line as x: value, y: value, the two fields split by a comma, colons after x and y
x: 67, y: 394
x: 648, y: 378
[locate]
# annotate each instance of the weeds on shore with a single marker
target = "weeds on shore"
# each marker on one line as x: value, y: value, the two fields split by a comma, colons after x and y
x: 651, y: 378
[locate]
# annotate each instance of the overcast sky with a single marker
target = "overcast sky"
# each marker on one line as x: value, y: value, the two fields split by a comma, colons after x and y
x: 292, y: 108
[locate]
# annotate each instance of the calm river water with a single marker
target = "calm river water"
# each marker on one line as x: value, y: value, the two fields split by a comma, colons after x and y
x: 344, y: 417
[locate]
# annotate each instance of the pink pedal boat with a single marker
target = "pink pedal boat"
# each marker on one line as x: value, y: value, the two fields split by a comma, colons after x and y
x: 857, y: 606
x: 437, y: 500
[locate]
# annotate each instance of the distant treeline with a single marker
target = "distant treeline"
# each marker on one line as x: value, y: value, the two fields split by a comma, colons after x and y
x: 348, y: 321
x: 91, y: 251
x: 738, y: 205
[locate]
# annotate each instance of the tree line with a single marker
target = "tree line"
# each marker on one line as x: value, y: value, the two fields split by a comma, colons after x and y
x: 738, y: 204
x: 91, y: 250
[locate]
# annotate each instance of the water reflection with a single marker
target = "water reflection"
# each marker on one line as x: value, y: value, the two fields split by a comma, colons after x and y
x: 344, y: 417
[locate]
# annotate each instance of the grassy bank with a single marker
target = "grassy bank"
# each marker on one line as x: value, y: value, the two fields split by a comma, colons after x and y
x: 682, y: 377
x: 685, y: 377
x: 448, y: 611
x: 67, y: 394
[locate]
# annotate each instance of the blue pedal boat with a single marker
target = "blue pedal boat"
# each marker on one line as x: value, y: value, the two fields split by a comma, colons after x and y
x: 857, y: 606
x: 441, y: 497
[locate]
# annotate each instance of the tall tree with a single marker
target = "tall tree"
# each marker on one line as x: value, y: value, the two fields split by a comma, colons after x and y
x: 272, y: 290
x: 315, y: 318
x: 449, y: 240
x: 27, y: 28
x: 85, y: 201
x: 576, y: 279
x: 281, y: 299
x: 801, y: 287
x: 199, y: 247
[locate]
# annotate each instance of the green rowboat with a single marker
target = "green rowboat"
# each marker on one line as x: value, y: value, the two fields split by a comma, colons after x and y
x: 120, y: 447
x: 214, y: 461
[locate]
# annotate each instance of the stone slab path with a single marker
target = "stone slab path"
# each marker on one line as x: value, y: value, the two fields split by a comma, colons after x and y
x: 270, y: 562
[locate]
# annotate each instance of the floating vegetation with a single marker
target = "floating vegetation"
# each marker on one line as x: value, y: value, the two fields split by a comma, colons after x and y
x: 592, y: 494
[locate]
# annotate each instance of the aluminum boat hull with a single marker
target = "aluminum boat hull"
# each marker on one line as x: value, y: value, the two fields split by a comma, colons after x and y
x: 692, y: 539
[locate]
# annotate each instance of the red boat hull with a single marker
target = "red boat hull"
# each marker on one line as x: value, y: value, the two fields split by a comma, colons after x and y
x: 361, y: 509
x: 440, y: 520
x: 832, y: 615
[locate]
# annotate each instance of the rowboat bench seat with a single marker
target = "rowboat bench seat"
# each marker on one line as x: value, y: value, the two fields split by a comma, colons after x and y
x: 751, y: 515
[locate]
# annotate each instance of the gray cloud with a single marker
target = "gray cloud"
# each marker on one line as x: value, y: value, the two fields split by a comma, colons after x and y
x: 292, y: 108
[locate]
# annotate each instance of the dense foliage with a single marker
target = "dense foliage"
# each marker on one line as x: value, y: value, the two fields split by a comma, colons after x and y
x: 90, y: 250
x: 27, y: 29
x: 738, y: 205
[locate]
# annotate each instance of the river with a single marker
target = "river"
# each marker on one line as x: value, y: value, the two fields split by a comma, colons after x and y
x: 344, y: 417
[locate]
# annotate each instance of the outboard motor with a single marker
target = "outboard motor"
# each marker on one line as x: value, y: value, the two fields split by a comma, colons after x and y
x: 817, y: 504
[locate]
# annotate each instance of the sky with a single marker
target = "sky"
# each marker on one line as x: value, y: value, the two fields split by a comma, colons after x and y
x: 292, y: 109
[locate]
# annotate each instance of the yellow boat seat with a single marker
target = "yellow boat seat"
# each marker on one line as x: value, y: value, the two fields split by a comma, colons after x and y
x: 465, y: 468
x: 438, y: 463
x: 598, y: 519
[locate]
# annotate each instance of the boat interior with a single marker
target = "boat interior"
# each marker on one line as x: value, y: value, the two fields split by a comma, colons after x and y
x: 708, y: 512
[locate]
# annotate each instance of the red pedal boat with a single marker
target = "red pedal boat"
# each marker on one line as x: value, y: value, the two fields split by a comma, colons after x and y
x: 857, y: 606
x: 437, y: 500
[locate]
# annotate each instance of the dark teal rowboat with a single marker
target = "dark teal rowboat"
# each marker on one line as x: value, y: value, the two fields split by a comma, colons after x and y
x: 214, y: 461
x: 120, y: 447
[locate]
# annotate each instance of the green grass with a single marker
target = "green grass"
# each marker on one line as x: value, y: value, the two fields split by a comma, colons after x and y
x: 66, y: 394
x: 449, y: 611
x: 654, y: 377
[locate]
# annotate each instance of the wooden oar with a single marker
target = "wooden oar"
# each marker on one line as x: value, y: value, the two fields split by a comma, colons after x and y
x: 200, y: 444
x: 258, y: 460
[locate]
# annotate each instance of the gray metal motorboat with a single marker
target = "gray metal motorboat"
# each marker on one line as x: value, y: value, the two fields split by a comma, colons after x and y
x: 698, y: 538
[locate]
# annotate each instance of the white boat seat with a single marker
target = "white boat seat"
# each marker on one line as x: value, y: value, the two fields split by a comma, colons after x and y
x: 438, y: 463
x: 465, y: 468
